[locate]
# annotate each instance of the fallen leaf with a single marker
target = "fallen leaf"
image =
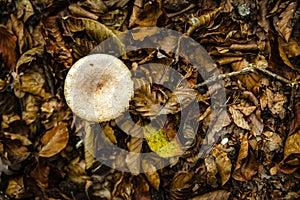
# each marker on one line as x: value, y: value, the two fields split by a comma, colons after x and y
x: 223, y: 164
x: 41, y: 174
x: 24, y: 38
x: 54, y: 140
x: 238, y: 118
x: 24, y: 9
x: 15, y: 187
x: 151, y: 174
x: 147, y: 15
x: 250, y: 80
x: 216, y: 195
x: 8, y: 47
x: 212, y: 171
x: 30, y: 55
x: 24, y: 140
x: 295, y: 125
x: 246, y: 164
x: 285, y: 22
x: 181, y: 186
x: 159, y: 143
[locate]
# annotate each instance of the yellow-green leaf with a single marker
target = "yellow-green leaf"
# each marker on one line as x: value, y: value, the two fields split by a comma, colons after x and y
x: 160, y: 144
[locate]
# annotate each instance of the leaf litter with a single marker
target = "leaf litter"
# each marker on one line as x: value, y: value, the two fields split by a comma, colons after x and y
x: 255, y: 45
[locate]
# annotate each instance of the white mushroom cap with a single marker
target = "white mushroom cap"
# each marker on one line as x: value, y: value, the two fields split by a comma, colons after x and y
x: 98, y: 87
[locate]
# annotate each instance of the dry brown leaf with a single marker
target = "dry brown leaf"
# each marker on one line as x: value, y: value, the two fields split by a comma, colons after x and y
x: 203, y: 20
x: 151, y: 173
x: 246, y: 110
x: 257, y: 125
x: 295, y: 125
x: 24, y: 38
x: 55, y: 43
x: 291, y: 162
x: 212, y: 171
x: 283, y: 55
x: 142, y: 189
x: 216, y: 195
x: 181, y: 186
x: 223, y: 164
x: 263, y: 21
x: 276, y: 64
x: 246, y: 164
x: 32, y: 107
x: 273, y: 141
x: 16, y: 153
x: 30, y: 55
x: 41, y: 175
x: 285, y: 22
x: 251, y: 79
x: 31, y: 82
x: 147, y: 15
x: 238, y: 118
x: 15, y: 187
x: 24, y: 140
x: 94, y: 29
x: 95, y: 6
x: 291, y: 48
x: 8, y: 47
x: 54, y: 140
x: 109, y: 132
x: 24, y: 9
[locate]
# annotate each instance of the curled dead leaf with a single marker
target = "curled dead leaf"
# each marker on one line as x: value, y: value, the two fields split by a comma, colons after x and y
x: 151, y: 173
x: 223, y: 164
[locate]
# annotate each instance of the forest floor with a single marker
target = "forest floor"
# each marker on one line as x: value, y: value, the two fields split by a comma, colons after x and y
x: 238, y: 62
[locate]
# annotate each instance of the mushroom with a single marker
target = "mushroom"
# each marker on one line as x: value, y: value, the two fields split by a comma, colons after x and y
x: 98, y: 88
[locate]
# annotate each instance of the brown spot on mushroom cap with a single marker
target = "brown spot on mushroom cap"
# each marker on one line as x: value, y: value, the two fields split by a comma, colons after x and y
x: 98, y: 87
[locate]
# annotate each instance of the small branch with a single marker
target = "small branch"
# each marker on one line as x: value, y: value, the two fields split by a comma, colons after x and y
x: 271, y: 74
x: 182, y: 11
x: 223, y: 76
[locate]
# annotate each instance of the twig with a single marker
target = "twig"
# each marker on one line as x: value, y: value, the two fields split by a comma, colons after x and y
x: 223, y: 76
x: 252, y: 68
x: 271, y: 74
x: 182, y: 11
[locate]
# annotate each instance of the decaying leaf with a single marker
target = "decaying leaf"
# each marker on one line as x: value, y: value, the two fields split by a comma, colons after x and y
x: 291, y: 161
x: 285, y: 23
x: 30, y: 55
x: 212, y: 171
x: 24, y: 140
x: 94, y: 29
x: 24, y: 38
x: 54, y: 140
x: 55, y: 43
x: 238, y: 118
x: 24, y: 9
x: 15, y: 187
x: 151, y: 173
x: 250, y: 80
x: 216, y: 195
x: 41, y: 175
x: 146, y: 15
x: 246, y: 164
x: 8, y: 47
x: 223, y: 164
x: 182, y: 183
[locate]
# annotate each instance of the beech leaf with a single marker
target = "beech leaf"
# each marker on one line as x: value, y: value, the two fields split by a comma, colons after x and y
x: 54, y: 140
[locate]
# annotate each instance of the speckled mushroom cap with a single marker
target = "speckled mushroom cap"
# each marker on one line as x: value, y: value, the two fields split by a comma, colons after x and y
x: 98, y: 87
